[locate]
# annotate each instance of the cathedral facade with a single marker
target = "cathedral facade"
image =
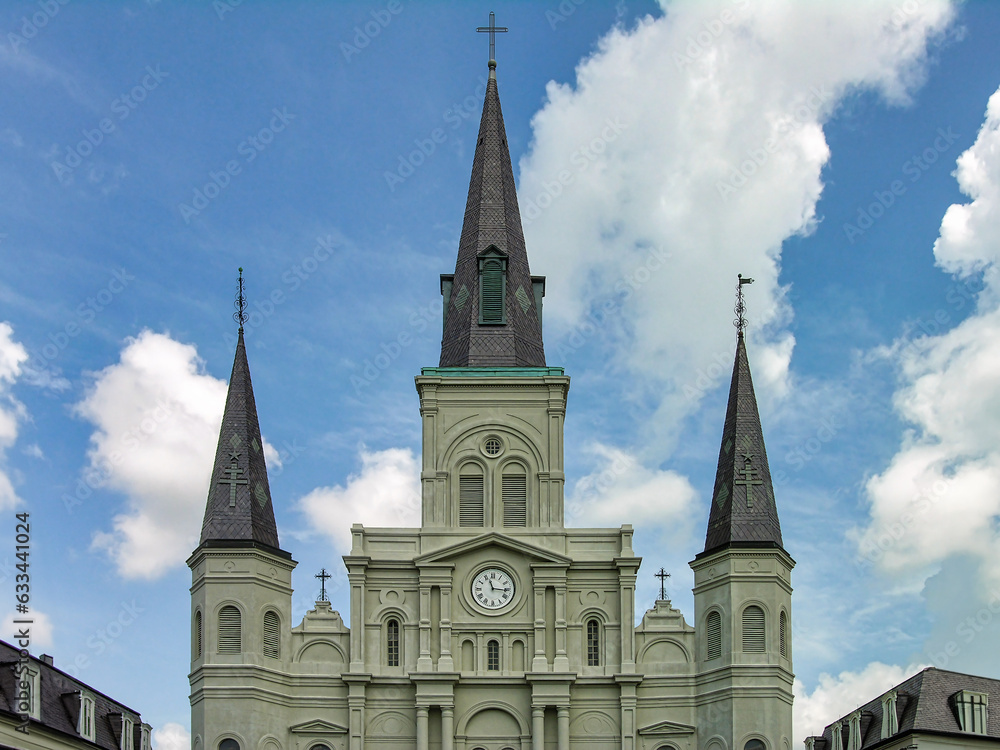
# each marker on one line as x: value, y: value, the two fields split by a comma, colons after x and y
x: 492, y: 626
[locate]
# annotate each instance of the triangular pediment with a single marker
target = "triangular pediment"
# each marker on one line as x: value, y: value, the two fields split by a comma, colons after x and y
x: 492, y: 252
x: 666, y: 727
x: 318, y: 726
x: 494, y: 539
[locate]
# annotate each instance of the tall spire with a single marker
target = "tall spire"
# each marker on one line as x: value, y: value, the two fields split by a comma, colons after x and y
x: 476, y: 334
x: 743, y: 512
x: 238, y: 511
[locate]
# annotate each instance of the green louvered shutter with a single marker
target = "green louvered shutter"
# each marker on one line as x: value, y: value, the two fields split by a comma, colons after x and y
x: 491, y: 293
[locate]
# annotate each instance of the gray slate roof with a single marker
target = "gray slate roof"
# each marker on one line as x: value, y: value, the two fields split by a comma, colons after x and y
x: 922, y: 705
x: 248, y: 517
x: 492, y: 218
x: 60, y: 703
x: 742, y: 514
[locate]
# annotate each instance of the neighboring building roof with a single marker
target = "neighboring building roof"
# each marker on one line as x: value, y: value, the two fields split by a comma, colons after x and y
x: 924, y: 703
x: 239, y: 499
x: 744, y: 513
x: 492, y: 219
x: 60, y: 703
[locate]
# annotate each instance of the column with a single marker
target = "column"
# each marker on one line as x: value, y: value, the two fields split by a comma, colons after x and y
x: 357, y: 581
x: 422, y: 728
x: 445, y: 662
x: 447, y: 728
x: 562, y: 660
x: 562, y: 722
x: 538, y: 728
x: 424, y: 663
x: 626, y: 577
x: 539, y: 663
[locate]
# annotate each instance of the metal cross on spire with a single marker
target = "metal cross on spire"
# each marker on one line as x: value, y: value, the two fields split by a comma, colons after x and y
x: 240, y: 316
x: 323, y: 576
x: 740, y: 309
x: 663, y: 576
x: 492, y: 29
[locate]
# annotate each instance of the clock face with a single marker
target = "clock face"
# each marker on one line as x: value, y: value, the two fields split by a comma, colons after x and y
x: 493, y: 588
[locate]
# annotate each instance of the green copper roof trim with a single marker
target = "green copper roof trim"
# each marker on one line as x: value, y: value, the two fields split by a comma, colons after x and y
x: 494, y: 372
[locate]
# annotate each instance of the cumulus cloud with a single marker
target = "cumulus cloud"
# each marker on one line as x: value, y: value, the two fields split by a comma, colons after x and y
x: 688, y: 150
x: 386, y: 492
x: 41, y: 629
x: 838, y: 696
x: 157, y: 416
x: 12, y: 356
x: 171, y: 737
x: 940, y: 494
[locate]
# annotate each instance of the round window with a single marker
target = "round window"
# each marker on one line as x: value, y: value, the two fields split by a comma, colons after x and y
x: 492, y: 446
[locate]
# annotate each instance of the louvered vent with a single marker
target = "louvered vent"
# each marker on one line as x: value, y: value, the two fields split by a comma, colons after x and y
x: 491, y: 293
x: 713, y: 635
x: 515, y: 499
x: 230, y: 641
x: 782, y: 631
x: 753, y: 630
x: 272, y: 635
x: 470, y: 501
x: 197, y: 634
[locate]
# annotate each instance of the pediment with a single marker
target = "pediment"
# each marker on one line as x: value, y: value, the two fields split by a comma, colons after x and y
x: 493, y: 539
x: 665, y: 728
x: 492, y: 252
x: 318, y: 726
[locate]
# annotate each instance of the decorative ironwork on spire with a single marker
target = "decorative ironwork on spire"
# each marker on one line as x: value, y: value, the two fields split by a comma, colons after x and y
x: 240, y: 316
x: 663, y: 575
x: 740, y: 309
x: 492, y: 29
x: 322, y: 576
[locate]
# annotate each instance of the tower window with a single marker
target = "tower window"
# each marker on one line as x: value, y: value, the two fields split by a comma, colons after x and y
x: 713, y: 636
x: 272, y: 635
x: 470, y: 500
x: 783, y: 634
x: 492, y: 288
x: 514, y: 491
x: 392, y: 643
x: 753, y: 630
x: 197, y: 634
x: 230, y: 630
x: 593, y: 643
x: 493, y: 656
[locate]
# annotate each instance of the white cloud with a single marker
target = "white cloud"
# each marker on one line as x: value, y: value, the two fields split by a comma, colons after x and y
x: 157, y: 417
x: 386, y: 492
x: 171, y: 737
x: 12, y: 356
x: 940, y: 494
x: 622, y: 490
x: 838, y: 696
x: 41, y: 629
x: 632, y: 189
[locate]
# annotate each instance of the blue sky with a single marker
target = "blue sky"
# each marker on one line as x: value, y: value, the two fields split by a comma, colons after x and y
x: 660, y: 150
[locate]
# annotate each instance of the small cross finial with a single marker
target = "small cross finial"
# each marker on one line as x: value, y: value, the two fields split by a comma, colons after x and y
x: 323, y: 576
x: 663, y: 576
x: 740, y: 309
x: 492, y: 29
x: 240, y: 316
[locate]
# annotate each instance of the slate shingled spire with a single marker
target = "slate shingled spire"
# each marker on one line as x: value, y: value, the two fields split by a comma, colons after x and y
x: 492, y: 226
x: 239, y: 511
x: 743, y: 512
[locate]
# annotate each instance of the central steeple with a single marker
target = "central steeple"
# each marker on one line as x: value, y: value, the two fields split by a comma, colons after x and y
x: 492, y: 303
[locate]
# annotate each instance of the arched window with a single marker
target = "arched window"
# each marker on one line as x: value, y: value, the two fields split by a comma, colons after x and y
x: 713, y: 636
x: 320, y: 746
x: 229, y: 744
x: 272, y: 635
x: 470, y: 496
x: 514, y: 491
x: 783, y: 634
x: 392, y: 643
x: 197, y: 634
x: 593, y: 643
x: 492, y: 289
x: 493, y: 656
x: 230, y: 631
x: 753, y: 630
x: 755, y: 745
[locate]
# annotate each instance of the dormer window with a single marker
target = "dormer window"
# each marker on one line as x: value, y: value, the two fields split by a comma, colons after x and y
x: 890, y: 720
x: 492, y: 287
x: 971, y: 710
x: 128, y: 729
x: 85, y: 724
x: 854, y: 731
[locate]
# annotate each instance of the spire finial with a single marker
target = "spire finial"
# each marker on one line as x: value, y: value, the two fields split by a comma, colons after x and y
x: 740, y: 309
x: 492, y: 29
x: 323, y: 576
x: 663, y: 576
x: 240, y: 316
